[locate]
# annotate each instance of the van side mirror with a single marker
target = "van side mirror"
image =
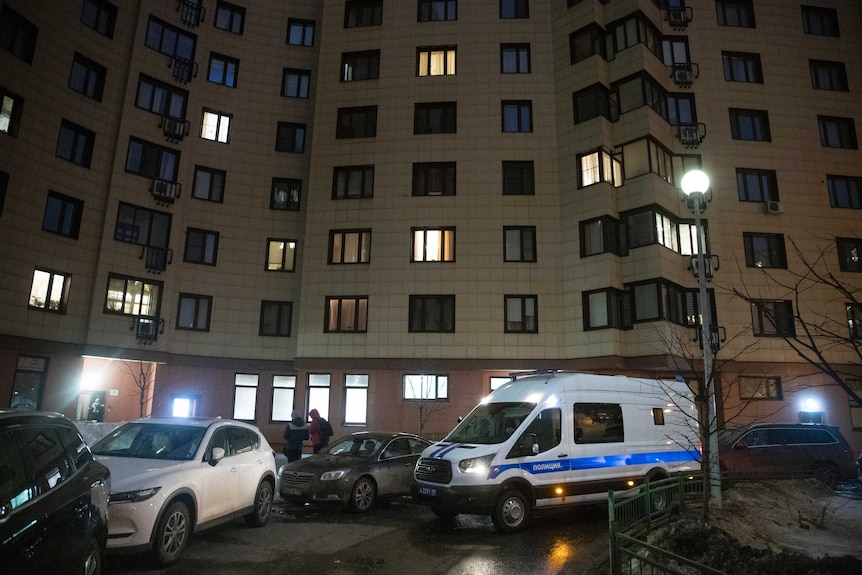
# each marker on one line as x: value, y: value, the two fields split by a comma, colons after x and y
x: 529, y: 444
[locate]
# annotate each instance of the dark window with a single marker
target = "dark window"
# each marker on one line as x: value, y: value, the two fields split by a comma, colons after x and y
x: 435, y: 60
x: 201, y: 247
x: 275, y: 318
x: 756, y: 185
x: 598, y: 423
x: 437, y: 10
x: 607, y: 308
x: 17, y: 34
x: 433, y: 245
x: 518, y: 178
x: 280, y: 255
x: 295, y: 83
x: 432, y: 314
x: 854, y: 322
x: 356, y: 122
x: 751, y: 125
x: 826, y: 75
x: 660, y: 299
x: 285, y: 194
x: 290, y: 137
x: 174, y: 43
x: 351, y: 182
x: 161, y: 98
x: 519, y: 243
x: 133, y: 296
x: 62, y: 215
x: 757, y: 388
x: 434, y: 179
x: 522, y: 314
x: 209, y: 184
x: 772, y: 318
x: 849, y: 254
x: 600, y: 235
x: 11, y: 108
x: 152, y: 161
x: 193, y: 312
x: 142, y: 226
x: 349, y: 246
x: 514, y: 9
x: 229, y: 17
x: 49, y: 290
x: 837, y: 132
x: 100, y: 15
x: 435, y: 118
x: 819, y: 21
x: 356, y: 66
x: 742, y: 67
x: 223, y: 70
x: 593, y: 102
x: 737, y: 13
x: 75, y: 143
x: 517, y: 116
x: 359, y: 13
x: 87, y: 77
x: 300, y: 32
x: 346, y: 314
x: 515, y: 58
x: 586, y: 42
x: 764, y: 250
x: 845, y: 191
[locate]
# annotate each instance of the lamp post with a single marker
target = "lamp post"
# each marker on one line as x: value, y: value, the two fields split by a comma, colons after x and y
x: 695, y: 185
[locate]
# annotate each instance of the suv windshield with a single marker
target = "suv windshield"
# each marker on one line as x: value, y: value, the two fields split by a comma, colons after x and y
x: 151, y: 441
x: 491, y: 423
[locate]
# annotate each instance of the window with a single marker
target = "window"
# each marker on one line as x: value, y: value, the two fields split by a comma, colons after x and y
x: 517, y: 116
x: 357, y: 122
x: 133, y: 296
x: 751, y: 125
x: 359, y: 13
x: 435, y: 61
x: 435, y: 118
x: 586, y: 42
x: 223, y: 70
x: 152, y: 161
x: 433, y: 245
x: 600, y: 166
x: 290, y: 137
x: 764, y: 250
x: 295, y: 83
x: 352, y: 182
x: 62, y: 215
x: 75, y: 143
x: 209, y: 184
x: 819, y: 21
x: 193, y: 312
x: 280, y: 255
x: 355, y: 399
x: 594, y: 102
x: 521, y: 314
x: 100, y: 15
x: 285, y: 194
x: 142, y: 226
x: 201, y: 246
x: 652, y: 225
x: 357, y: 66
x: 229, y: 17
x: 498, y: 381
x: 432, y: 314
x: 515, y: 58
x: 215, y: 126
x: 434, y: 179
x: 437, y: 10
x: 600, y: 235
x: 772, y: 318
x: 742, y: 67
x: 275, y: 318
x: 283, y: 396
x: 756, y: 185
x: 599, y: 423
x: 11, y: 107
x: 49, y: 291
x: 845, y: 191
x: 346, y: 314
x: 837, y: 132
x: 737, y: 13
x: 318, y: 393
x: 519, y: 243
x: 607, y: 308
x: 849, y: 252
x: 514, y: 9
x: 300, y: 32
x: 663, y: 300
x: 518, y: 178
x: 87, y: 77
x: 17, y: 34
x: 426, y: 386
x: 826, y: 75
x: 174, y: 43
x: 349, y: 246
x: 759, y: 387
x: 854, y: 322
x: 161, y: 98
x: 245, y: 396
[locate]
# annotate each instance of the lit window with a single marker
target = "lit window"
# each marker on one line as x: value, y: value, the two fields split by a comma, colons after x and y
x: 318, y: 393
x: 435, y: 61
x: 133, y: 296
x: 283, y: 396
x: 280, y: 255
x: 426, y: 386
x: 346, y: 314
x: 49, y: 291
x: 849, y: 253
x: 760, y: 388
x: 350, y: 246
x: 600, y: 166
x: 521, y: 314
x: 355, y: 399
x: 245, y: 396
x: 285, y: 194
x: 433, y: 245
x: 215, y: 126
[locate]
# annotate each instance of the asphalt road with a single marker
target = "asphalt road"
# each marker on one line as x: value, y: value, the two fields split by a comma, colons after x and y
x: 394, y: 538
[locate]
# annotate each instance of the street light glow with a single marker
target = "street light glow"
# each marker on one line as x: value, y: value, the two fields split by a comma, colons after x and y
x: 695, y: 182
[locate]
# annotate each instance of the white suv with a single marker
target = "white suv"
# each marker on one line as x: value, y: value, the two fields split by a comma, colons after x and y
x: 171, y: 477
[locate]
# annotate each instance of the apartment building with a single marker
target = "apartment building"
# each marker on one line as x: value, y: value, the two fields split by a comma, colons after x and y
x: 380, y: 209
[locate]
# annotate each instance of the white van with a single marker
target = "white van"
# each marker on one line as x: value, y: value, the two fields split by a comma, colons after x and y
x: 558, y: 439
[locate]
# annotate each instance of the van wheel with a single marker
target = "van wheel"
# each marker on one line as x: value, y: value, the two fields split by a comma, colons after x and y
x: 91, y: 561
x: 262, y: 506
x: 172, y: 534
x: 511, y: 512
x: 828, y: 475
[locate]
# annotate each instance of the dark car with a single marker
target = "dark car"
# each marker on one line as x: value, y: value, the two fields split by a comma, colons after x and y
x: 53, y: 497
x: 776, y: 450
x: 355, y: 470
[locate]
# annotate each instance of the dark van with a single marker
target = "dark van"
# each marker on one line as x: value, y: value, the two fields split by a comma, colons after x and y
x: 53, y: 497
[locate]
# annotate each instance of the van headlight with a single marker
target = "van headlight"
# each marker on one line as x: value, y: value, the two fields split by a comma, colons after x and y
x: 476, y: 464
x: 333, y: 475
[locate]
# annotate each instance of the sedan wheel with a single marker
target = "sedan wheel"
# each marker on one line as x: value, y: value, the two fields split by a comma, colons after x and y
x: 172, y: 534
x: 363, y: 495
x: 262, y: 506
x: 91, y: 564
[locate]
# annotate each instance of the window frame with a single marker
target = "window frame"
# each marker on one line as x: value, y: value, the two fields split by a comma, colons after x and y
x: 434, y: 179
x: 295, y: 83
x: 292, y: 194
x: 436, y: 385
x: 431, y: 118
x: 338, y: 242
x: 204, y: 241
x: 197, y: 301
x: 848, y: 249
x: 218, y: 132
x: 514, y: 9
x: 776, y: 255
x: 235, y: 15
x: 286, y: 264
x: 149, y: 227
x: 426, y: 58
x: 617, y: 309
x: 356, y: 389
x: 449, y: 10
x: 149, y: 290
x: 523, y: 61
x: 445, y: 251
x: 305, y: 28
x: 89, y: 79
x: 609, y: 233
x: 820, y: 21
x: 852, y: 191
x: 345, y: 175
x: 523, y: 118
x: 365, y: 61
x: 102, y: 16
x: 750, y: 388
x: 526, y: 244
x: 283, y: 397
x: 242, y: 383
x: 828, y: 75
x: 335, y: 314
x: 751, y: 70
x: 69, y: 213
x: 519, y: 178
x: 528, y: 323
x: 837, y: 132
x: 767, y: 179
x: 168, y: 160
x: 227, y: 74
x: 419, y: 318
x: 80, y: 147
x: 774, y: 313
x: 18, y: 34
x: 297, y: 132
x: 356, y: 122
x: 280, y: 308
x: 50, y: 303
x: 742, y: 12
x: 214, y: 191
x: 744, y: 120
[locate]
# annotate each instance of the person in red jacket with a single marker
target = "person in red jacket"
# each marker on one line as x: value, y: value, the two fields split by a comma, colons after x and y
x: 317, y: 440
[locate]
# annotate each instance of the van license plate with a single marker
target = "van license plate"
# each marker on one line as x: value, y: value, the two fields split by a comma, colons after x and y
x: 430, y: 491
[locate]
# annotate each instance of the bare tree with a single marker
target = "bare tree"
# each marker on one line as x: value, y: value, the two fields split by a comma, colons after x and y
x: 423, y: 390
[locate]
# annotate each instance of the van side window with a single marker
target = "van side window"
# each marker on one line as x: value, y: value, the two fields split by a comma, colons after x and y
x: 658, y: 415
x: 598, y: 423
x: 547, y: 428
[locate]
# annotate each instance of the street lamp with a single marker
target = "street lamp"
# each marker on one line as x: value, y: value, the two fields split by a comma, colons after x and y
x: 695, y: 185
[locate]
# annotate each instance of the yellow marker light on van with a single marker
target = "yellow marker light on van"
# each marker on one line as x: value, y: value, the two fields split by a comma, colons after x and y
x: 558, y: 490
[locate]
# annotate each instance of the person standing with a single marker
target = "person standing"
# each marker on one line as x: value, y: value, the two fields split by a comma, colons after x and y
x: 317, y: 440
x: 295, y: 432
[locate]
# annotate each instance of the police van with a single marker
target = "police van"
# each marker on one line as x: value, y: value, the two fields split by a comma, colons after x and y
x: 558, y: 439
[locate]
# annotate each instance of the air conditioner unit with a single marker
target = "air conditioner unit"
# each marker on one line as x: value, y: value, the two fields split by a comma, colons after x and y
x: 689, y: 134
x: 173, y: 127
x: 682, y: 76
x: 677, y: 17
x: 147, y: 329
x: 161, y: 188
x: 773, y: 207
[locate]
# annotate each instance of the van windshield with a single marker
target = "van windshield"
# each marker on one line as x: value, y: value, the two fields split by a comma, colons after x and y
x: 491, y: 423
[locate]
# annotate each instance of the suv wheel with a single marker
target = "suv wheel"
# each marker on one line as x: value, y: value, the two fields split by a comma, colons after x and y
x: 172, y: 534
x: 262, y: 506
x: 827, y: 474
x: 91, y: 561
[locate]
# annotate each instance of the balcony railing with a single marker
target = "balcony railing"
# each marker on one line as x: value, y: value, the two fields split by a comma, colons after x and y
x: 165, y: 192
x: 191, y: 12
x: 175, y: 129
x: 147, y: 328
x: 183, y: 68
x: 691, y: 135
x: 679, y: 16
x: 156, y: 259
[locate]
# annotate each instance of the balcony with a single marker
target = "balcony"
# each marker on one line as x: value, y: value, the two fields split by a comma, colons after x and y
x: 147, y: 328
x: 191, y: 12
x: 679, y: 16
x: 165, y: 192
x: 684, y: 73
x: 183, y: 68
x: 175, y: 129
x: 691, y: 135
x: 156, y: 259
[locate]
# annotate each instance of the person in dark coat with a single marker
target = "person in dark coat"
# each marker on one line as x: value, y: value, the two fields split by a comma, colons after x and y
x: 295, y: 432
x: 318, y: 442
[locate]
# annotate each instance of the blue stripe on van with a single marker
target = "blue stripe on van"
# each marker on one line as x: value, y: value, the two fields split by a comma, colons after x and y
x: 444, y: 449
x: 556, y: 465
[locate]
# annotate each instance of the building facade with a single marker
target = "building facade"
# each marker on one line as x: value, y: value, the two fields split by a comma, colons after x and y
x: 381, y: 209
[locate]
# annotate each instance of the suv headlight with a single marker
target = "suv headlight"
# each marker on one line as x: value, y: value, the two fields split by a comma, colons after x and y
x: 333, y: 475
x: 477, y: 464
x: 134, y: 496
